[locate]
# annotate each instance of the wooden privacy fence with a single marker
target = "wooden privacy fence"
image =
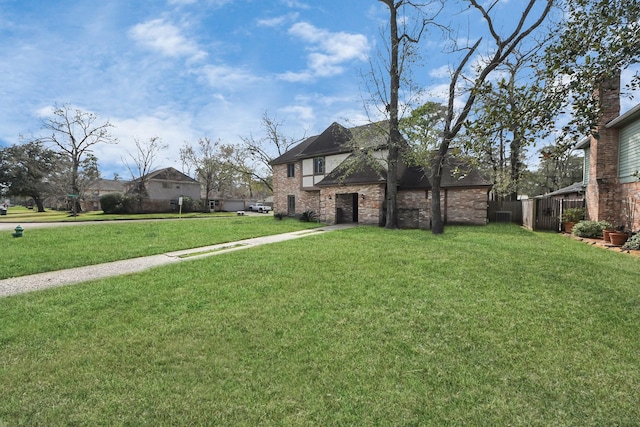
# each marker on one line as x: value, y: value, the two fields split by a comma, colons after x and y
x: 546, y: 213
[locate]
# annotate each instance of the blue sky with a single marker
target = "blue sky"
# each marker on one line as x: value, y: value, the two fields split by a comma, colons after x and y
x: 185, y: 69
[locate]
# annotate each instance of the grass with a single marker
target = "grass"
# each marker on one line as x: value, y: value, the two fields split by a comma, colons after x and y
x: 481, y: 326
x: 23, y: 215
x: 56, y: 248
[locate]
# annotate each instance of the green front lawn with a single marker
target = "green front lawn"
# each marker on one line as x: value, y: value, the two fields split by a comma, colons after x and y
x: 481, y: 326
x: 57, y: 248
x: 23, y: 215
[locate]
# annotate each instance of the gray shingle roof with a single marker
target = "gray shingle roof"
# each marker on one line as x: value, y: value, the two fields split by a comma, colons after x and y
x: 335, y: 139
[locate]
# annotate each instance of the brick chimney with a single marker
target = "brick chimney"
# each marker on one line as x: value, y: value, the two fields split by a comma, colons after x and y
x: 602, y: 189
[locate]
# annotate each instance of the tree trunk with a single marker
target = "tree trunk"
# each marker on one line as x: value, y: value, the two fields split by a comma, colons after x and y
x: 437, y: 222
x: 515, y: 166
x: 394, y: 134
x: 39, y: 203
x: 74, y: 187
x: 392, y: 188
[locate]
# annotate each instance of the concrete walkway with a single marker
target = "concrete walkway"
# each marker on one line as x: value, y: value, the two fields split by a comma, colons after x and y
x: 17, y: 285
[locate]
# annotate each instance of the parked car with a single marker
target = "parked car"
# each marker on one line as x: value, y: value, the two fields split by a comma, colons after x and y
x: 259, y: 207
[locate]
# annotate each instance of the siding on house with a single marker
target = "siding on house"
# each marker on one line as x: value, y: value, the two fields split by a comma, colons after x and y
x: 629, y: 154
x: 586, y: 166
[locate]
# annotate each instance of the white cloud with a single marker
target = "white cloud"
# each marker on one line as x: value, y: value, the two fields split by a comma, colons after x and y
x: 443, y: 72
x: 296, y: 4
x: 215, y: 3
x: 292, y: 77
x: 329, y: 51
x: 278, y: 20
x: 302, y: 113
x: 222, y: 76
x: 165, y: 38
x: 172, y: 127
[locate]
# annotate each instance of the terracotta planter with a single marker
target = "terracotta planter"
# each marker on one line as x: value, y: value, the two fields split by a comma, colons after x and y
x: 568, y: 226
x: 618, y: 239
x: 605, y: 235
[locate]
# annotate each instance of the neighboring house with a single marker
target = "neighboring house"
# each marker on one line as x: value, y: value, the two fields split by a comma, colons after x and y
x: 315, y: 176
x: 99, y: 188
x: 574, y: 191
x: 164, y: 187
x: 612, y: 161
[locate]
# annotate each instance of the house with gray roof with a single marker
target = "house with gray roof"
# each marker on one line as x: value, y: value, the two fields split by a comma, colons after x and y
x: 326, y: 174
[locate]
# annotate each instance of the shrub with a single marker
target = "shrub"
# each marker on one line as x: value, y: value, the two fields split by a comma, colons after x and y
x: 573, y: 214
x: 112, y: 203
x: 190, y: 205
x: 279, y: 215
x: 633, y: 242
x: 589, y: 229
x: 308, y: 216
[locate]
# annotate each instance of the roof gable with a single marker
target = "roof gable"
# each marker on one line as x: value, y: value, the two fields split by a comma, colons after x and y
x: 336, y: 139
x: 168, y: 174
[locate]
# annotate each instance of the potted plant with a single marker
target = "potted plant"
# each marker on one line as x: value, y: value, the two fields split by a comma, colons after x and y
x: 571, y: 216
x: 606, y: 229
x: 618, y: 237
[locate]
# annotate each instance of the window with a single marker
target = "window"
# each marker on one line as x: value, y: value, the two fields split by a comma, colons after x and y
x: 291, y: 170
x: 318, y: 166
x: 291, y: 205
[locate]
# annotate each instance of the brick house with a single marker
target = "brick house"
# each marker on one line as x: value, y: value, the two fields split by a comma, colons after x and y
x: 318, y: 175
x: 612, y: 161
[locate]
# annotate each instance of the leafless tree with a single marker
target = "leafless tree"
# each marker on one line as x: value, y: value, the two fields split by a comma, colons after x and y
x: 142, y: 162
x: 75, y: 133
x: 211, y: 165
x: 263, y: 151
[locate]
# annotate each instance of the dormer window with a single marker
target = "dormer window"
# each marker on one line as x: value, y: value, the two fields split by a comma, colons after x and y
x: 318, y: 166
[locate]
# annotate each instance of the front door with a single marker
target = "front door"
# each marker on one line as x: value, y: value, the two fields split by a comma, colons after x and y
x: 291, y: 205
x: 355, y: 207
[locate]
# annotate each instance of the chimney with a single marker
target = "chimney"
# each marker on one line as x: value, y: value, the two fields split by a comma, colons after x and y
x: 602, y: 197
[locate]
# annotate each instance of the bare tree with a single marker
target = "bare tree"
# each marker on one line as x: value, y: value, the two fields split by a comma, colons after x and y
x: 142, y: 162
x: 75, y: 132
x: 212, y: 169
x: 263, y: 151
x: 503, y: 47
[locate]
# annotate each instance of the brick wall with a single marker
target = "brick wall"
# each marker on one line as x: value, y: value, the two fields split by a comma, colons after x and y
x: 459, y: 206
x: 284, y: 186
x: 467, y: 206
x: 414, y: 209
x: 602, y: 194
x: 369, y: 208
x: 630, y: 209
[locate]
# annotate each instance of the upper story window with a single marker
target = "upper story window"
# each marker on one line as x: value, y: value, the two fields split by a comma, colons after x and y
x: 291, y: 170
x: 318, y: 166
